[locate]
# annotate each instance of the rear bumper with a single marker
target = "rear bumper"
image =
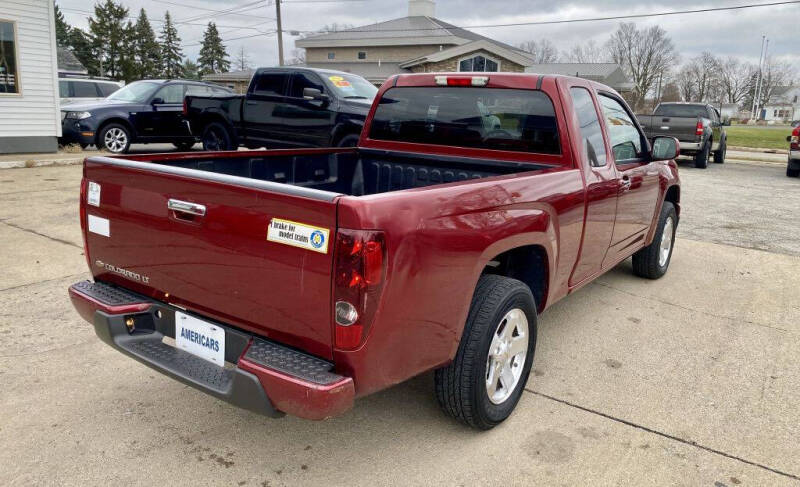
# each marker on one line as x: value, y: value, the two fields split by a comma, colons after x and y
x: 265, y: 377
x: 689, y: 146
x: 794, y: 156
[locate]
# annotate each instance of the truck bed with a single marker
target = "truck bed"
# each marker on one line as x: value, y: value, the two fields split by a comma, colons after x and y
x: 345, y: 171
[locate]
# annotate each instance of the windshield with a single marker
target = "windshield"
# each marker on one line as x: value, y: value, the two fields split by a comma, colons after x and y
x: 137, y: 92
x: 351, y: 87
x: 681, y: 111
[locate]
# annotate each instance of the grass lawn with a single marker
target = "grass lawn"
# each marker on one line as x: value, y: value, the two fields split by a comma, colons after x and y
x: 766, y: 137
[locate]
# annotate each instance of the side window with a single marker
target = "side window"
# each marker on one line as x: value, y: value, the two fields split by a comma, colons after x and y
x: 270, y: 84
x: 171, y: 94
x: 83, y: 89
x: 594, y: 148
x: 300, y: 81
x: 197, y: 90
x: 626, y: 140
x: 63, y: 89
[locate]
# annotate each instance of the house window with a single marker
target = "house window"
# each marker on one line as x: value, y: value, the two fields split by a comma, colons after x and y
x: 331, y: 55
x: 478, y: 63
x: 362, y: 55
x: 9, y: 71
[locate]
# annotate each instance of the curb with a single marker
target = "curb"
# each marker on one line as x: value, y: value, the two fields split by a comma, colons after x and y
x: 762, y: 150
x: 39, y: 163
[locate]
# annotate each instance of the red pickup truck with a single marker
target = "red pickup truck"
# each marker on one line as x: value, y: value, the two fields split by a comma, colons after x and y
x: 294, y: 281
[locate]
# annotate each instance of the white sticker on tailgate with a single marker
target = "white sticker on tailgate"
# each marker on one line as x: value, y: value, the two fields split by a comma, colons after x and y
x: 200, y: 338
x: 298, y: 235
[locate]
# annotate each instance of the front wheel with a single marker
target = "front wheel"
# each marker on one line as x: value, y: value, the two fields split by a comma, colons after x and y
x: 348, y: 141
x: 216, y: 138
x: 483, y: 384
x: 115, y: 138
x: 652, y: 261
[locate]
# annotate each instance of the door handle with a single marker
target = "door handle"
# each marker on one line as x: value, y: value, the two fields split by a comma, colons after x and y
x: 251, y: 102
x: 625, y: 184
x: 186, y: 207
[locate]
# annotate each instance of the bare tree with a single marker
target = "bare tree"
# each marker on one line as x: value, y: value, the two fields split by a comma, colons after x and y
x: 242, y: 61
x: 645, y: 55
x: 774, y: 74
x: 734, y: 78
x: 589, y: 52
x: 298, y: 57
x: 543, y: 50
x: 699, y: 80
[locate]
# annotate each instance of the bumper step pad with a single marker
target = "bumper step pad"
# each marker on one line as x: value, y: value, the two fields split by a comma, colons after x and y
x: 107, y: 294
x: 184, y: 364
x: 291, y: 362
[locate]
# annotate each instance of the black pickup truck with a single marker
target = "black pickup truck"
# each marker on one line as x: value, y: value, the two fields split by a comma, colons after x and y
x: 698, y: 127
x: 284, y: 108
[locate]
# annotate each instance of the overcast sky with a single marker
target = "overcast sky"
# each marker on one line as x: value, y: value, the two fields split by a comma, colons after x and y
x: 735, y: 33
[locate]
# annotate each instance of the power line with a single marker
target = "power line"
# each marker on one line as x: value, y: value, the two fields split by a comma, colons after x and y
x: 228, y: 11
x: 197, y: 7
x: 268, y: 34
x: 158, y: 21
x: 571, y: 21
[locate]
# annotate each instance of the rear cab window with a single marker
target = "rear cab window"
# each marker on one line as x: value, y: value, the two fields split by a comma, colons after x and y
x: 270, y: 84
x: 681, y: 111
x: 483, y: 118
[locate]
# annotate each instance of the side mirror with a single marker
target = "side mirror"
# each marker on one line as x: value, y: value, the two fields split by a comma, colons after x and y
x: 311, y: 94
x: 665, y: 148
x: 157, y: 101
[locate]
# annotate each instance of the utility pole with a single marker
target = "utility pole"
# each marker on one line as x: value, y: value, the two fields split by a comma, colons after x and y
x: 758, y: 78
x: 280, y: 31
x: 760, y: 90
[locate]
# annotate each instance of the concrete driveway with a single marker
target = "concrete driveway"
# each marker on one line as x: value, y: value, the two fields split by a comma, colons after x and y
x: 690, y: 380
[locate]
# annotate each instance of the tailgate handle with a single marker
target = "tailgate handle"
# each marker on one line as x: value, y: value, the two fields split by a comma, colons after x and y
x: 186, y: 207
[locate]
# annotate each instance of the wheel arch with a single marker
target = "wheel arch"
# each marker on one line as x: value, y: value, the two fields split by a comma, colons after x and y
x: 114, y: 119
x: 209, y: 117
x: 527, y: 263
x: 345, y: 128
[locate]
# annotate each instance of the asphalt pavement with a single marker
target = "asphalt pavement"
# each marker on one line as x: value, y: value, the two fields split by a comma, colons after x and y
x: 693, y: 379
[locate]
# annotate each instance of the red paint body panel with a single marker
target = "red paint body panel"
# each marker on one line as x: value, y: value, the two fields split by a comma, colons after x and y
x: 438, y: 241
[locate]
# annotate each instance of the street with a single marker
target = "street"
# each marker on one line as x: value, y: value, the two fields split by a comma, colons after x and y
x: 693, y: 379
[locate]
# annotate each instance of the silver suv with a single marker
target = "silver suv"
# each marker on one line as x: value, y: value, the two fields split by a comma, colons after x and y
x: 73, y: 90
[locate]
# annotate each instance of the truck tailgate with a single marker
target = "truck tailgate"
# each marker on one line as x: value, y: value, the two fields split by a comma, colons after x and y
x: 219, y: 264
x: 682, y: 128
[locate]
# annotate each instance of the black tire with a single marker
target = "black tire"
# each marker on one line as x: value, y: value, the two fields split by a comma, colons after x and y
x: 646, y: 262
x: 461, y: 388
x: 348, y: 141
x: 216, y: 138
x: 115, y: 138
x: 701, y: 158
x: 719, y: 155
x: 183, y: 146
x: 83, y: 146
x: 792, y: 173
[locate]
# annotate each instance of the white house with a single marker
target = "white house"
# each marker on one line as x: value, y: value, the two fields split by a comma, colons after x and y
x: 784, y: 104
x: 29, y: 113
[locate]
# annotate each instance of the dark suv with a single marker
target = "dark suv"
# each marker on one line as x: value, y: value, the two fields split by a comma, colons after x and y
x: 147, y: 111
x: 285, y: 108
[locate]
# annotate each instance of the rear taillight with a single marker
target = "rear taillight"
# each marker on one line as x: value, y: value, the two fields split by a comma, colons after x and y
x: 360, y: 271
x: 699, y: 128
x: 185, y: 108
x: 462, y: 80
x: 795, y: 140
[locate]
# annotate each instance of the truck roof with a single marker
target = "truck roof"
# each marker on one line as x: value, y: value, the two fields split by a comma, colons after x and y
x: 495, y: 79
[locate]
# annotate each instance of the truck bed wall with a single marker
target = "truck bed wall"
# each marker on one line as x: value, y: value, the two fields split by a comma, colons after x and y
x: 355, y: 173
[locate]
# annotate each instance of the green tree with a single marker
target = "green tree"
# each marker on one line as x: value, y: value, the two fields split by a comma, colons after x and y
x: 62, y: 28
x: 108, y: 32
x: 128, y: 64
x: 147, y: 52
x: 81, y: 46
x: 191, y: 70
x: 171, y: 53
x: 213, y: 57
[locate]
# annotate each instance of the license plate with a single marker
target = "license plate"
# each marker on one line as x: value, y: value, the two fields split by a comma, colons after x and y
x: 200, y: 338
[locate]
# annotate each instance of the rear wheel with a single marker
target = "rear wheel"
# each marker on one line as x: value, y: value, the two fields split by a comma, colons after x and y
x: 792, y: 173
x: 701, y: 158
x: 183, y: 146
x: 216, y: 137
x: 483, y: 384
x: 719, y: 155
x: 652, y: 261
x: 115, y: 138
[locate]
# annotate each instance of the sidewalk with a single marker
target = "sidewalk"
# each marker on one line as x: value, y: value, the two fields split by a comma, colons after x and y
x: 60, y: 158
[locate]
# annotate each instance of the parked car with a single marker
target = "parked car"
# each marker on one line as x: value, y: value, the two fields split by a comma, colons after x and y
x: 698, y: 127
x: 142, y: 112
x: 793, y: 167
x: 72, y: 90
x: 294, y: 281
x: 285, y: 108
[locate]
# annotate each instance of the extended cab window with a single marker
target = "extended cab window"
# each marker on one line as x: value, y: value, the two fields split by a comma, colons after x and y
x: 485, y: 118
x: 626, y: 140
x: 270, y: 84
x: 594, y: 147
